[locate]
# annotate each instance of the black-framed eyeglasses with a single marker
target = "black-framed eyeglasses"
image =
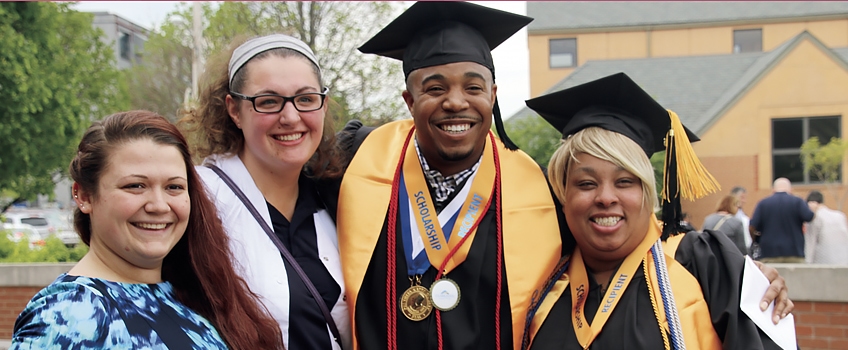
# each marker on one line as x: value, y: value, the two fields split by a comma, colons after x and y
x: 272, y: 103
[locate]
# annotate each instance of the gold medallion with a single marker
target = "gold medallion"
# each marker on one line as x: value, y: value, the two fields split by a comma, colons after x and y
x: 415, y: 303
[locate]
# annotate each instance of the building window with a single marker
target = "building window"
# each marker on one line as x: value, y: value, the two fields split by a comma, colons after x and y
x: 138, y: 47
x: 563, y: 53
x: 124, y: 45
x: 787, y: 137
x: 747, y: 40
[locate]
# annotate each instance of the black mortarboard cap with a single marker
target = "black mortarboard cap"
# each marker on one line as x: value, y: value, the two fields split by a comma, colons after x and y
x: 616, y: 103
x: 432, y: 33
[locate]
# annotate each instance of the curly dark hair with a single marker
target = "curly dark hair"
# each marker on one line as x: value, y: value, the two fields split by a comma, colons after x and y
x: 213, y: 132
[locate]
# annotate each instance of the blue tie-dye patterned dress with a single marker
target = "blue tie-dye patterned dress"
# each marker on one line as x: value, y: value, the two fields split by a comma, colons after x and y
x: 72, y: 313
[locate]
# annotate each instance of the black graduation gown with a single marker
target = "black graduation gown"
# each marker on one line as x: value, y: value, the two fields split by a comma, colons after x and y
x: 711, y: 258
x: 469, y: 326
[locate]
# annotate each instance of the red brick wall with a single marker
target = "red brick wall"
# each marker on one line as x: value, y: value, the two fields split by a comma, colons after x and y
x: 12, y: 302
x: 821, y: 325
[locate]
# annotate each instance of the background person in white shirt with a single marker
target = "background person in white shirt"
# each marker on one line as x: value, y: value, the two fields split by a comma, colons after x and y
x: 826, y: 240
x: 740, y: 193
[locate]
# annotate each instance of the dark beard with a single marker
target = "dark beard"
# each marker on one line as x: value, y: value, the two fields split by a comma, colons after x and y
x: 454, y: 157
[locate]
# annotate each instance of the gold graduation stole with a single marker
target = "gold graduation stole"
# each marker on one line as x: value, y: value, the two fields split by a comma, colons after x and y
x: 577, y: 270
x: 531, y: 238
x: 693, y: 311
x: 436, y: 243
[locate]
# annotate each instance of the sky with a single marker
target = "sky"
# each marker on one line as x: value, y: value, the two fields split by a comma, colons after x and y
x: 511, y: 57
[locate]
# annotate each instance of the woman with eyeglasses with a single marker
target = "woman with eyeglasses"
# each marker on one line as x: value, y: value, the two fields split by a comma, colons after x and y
x: 271, y: 165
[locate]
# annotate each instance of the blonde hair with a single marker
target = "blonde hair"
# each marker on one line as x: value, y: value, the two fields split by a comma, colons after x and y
x: 605, y: 145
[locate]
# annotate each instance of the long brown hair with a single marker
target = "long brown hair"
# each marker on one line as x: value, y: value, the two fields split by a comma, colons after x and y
x: 212, y: 131
x: 728, y: 203
x: 200, y: 266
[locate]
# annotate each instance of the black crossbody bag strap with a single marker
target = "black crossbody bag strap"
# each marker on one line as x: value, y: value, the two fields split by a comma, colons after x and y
x: 172, y: 335
x: 286, y: 255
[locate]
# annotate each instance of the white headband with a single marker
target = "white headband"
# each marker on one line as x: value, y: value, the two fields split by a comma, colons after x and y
x: 255, y: 46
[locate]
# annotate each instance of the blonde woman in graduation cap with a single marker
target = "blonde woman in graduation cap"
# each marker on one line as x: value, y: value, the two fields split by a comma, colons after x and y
x: 633, y: 282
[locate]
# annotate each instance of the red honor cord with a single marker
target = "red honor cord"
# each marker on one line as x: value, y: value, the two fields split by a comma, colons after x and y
x: 391, y: 242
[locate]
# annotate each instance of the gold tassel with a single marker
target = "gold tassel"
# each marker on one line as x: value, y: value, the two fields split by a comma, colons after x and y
x: 693, y: 179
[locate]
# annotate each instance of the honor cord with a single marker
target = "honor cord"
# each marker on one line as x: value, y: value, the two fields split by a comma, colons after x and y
x: 539, y: 297
x: 391, y: 245
x: 496, y: 195
x: 671, y: 315
x: 391, y: 242
x: 499, y: 261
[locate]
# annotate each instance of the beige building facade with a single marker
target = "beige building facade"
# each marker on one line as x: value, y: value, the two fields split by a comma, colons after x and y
x: 752, y: 79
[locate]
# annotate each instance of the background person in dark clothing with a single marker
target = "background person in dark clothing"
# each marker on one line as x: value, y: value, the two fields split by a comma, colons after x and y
x: 684, y: 223
x: 777, y: 224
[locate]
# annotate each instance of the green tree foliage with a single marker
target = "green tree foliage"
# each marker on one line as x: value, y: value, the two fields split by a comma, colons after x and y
x: 55, y: 76
x: 658, y: 163
x: 365, y: 87
x: 52, y: 250
x: 160, y: 82
x: 534, y: 136
x: 824, y: 163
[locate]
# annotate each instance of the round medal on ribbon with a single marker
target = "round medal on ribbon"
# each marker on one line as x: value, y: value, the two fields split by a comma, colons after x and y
x: 444, y: 294
x: 415, y: 303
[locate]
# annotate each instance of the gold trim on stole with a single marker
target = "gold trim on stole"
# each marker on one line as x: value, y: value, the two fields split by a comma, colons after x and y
x: 694, y: 313
x: 532, y: 244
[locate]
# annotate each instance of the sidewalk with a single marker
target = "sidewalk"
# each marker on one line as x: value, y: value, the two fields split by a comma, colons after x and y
x: 5, y: 344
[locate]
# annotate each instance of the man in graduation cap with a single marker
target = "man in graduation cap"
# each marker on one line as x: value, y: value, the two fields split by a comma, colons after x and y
x: 445, y: 231
x: 631, y: 279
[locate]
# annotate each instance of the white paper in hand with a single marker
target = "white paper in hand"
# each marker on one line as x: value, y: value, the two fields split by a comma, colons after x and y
x: 754, y: 286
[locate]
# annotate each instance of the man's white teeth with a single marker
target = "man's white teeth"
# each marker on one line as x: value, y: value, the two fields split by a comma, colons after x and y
x: 456, y: 128
x: 147, y: 226
x: 289, y: 137
x: 607, y: 221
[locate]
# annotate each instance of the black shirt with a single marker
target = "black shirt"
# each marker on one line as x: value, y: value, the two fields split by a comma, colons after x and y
x: 307, y: 326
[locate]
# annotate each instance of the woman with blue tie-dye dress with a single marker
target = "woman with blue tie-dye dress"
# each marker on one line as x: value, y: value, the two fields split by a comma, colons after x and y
x: 158, y: 272
x: 73, y: 312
